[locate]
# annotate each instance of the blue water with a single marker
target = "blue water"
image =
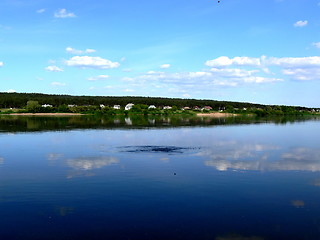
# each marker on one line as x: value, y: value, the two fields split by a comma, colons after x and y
x: 235, y: 182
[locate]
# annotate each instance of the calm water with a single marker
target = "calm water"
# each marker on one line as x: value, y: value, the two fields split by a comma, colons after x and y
x: 76, y: 178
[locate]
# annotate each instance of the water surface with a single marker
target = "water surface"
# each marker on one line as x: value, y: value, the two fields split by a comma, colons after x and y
x: 157, y: 179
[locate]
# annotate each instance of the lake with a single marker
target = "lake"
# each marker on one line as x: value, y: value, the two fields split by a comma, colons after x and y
x: 159, y: 178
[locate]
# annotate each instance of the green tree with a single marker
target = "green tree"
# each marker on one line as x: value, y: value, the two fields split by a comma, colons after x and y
x: 33, y: 106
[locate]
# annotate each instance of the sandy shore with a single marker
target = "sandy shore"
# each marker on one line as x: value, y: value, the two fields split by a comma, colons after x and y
x: 44, y: 114
x: 217, y: 115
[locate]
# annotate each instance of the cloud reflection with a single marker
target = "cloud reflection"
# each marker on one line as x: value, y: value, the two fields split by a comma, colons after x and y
x: 298, y: 203
x: 238, y: 237
x: 89, y: 163
x: 1, y: 160
x: 256, y: 157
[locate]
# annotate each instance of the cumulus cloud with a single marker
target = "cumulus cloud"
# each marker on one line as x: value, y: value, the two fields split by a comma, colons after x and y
x: 301, y: 23
x: 63, y: 13
x: 91, y: 62
x: 100, y: 77
x: 58, y: 84
x: 79, y: 52
x: 1, y: 64
x: 224, y: 61
x: 297, y: 68
x: 165, y: 66
x: 54, y: 69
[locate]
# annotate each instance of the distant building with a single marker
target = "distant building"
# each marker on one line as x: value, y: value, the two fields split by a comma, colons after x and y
x: 116, y: 107
x: 207, y: 108
x: 128, y: 106
x: 152, y: 107
x: 72, y: 105
x: 102, y: 106
x: 196, y: 108
x: 46, y: 105
x: 186, y: 108
x: 167, y: 107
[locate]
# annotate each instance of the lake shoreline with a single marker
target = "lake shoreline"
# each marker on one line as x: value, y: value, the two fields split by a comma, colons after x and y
x: 44, y: 114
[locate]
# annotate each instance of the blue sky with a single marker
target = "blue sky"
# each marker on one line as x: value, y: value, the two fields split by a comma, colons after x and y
x: 265, y: 51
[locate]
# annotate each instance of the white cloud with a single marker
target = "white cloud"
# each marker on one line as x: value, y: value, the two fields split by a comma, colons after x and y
x: 165, y: 66
x: 236, y: 61
x: 294, y: 61
x: 316, y: 44
x: 41, y: 10
x: 58, y: 84
x: 11, y: 91
x: 54, y: 69
x: 63, y: 13
x: 301, y: 23
x: 302, y: 74
x: 1, y: 64
x: 78, y: 52
x: 91, y: 62
x: 100, y: 77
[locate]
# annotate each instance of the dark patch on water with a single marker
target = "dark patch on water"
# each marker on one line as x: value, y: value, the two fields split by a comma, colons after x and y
x: 156, y: 149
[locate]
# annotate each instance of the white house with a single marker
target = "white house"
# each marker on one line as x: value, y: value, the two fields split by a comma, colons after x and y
x: 128, y: 106
x: 167, y: 107
x: 46, y: 105
x: 116, y: 107
x: 152, y: 107
x: 102, y: 106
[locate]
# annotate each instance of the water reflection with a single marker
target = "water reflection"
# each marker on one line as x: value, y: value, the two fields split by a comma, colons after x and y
x: 1, y: 160
x: 89, y: 163
x: 36, y: 123
x: 239, y: 237
x: 298, y: 203
x: 256, y: 157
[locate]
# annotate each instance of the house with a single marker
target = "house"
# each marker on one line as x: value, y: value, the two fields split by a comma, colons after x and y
x: 167, y: 107
x: 186, y: 108
x: 207, y: 108
x: 128, y: 106
x: 196, y: 108
x: 152, y: 107
x: 72, y: 105
x: 46, y: 105
x: 117, y: 107
x: 102, y: 106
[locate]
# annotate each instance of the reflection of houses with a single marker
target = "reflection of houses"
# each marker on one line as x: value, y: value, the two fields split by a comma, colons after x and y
x: 152, y: 107
x: 117, y: 107
x: 128, y: 121
x: 46, y: 105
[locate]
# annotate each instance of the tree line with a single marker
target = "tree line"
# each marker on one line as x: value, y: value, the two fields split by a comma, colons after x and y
x: 82, y: 103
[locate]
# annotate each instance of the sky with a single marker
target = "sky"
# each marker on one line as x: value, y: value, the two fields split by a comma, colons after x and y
x: 258, y: 51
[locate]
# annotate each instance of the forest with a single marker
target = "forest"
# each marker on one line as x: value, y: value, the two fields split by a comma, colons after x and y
x: 60, y: 103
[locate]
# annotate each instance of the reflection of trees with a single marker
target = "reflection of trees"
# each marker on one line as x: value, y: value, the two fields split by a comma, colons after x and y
x: 54, y: 123
x: 256, y: 157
